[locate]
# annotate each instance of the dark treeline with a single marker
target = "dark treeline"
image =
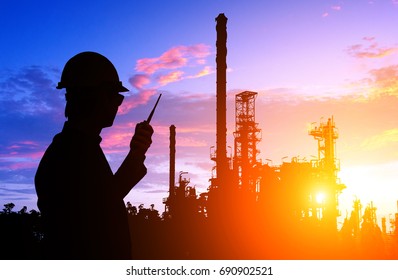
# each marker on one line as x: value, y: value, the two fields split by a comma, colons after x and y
x: 235, y: 236
x: 20, y: 233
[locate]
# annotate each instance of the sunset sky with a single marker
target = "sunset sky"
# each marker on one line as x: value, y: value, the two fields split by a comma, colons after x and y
x: 308, y: 61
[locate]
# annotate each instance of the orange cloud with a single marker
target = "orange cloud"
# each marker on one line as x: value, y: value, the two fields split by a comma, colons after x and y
x: 384, y: 139
x: 204, y: 72
x: 174, y: 58
x: 380, y: 82
x: 386, y: 76
x: 170, y: 77
x: 178, y: 76
x: 370, y: 50
x: 385, y: 80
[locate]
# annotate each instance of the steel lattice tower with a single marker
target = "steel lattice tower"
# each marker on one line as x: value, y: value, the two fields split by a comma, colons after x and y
x: 247, y: 135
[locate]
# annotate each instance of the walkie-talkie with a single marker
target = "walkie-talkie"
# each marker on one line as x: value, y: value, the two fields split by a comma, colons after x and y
x: 148, y: 120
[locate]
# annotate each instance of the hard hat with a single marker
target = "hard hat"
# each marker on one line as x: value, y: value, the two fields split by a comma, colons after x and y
x: 90, y: 70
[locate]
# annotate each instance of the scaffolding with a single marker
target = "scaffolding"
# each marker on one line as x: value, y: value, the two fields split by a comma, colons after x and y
x: 247, y: 135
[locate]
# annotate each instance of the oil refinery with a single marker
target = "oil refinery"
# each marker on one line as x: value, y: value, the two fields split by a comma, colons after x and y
x: 256, y: 210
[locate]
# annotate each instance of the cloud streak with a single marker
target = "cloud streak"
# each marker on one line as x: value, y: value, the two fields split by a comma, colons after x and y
x: 169, y: 67
x: 171, y: 77
x: 382, y: 140
x: 334, y: 8
x: 14, y: 159
x: 139, y: 81
x: 386, y: 77
x: 31, y: 100
x: 136, y: 100
x: 174, y: 58
x: 204, y: 72
x: 383, y: 81
x: 370, y: 49
x: 29, y: 91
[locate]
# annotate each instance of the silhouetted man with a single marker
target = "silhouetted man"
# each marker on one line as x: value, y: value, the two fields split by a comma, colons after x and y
x: 80, y: 199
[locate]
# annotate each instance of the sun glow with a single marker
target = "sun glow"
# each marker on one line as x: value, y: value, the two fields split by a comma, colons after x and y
x: 320, y: 198
x: 370, y: 183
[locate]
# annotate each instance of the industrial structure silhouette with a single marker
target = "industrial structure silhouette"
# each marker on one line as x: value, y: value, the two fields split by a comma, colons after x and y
x: 256, y: 210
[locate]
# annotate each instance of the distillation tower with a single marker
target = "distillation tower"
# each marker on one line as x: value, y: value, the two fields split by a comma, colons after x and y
x: 327, y: 167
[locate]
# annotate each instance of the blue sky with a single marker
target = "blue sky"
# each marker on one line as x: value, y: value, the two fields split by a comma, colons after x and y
x: 306, y: 59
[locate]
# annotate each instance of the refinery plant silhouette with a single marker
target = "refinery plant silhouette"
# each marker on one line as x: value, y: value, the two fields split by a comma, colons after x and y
x: 251, y: 209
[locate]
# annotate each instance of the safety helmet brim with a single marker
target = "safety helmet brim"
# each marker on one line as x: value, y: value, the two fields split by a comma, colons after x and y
x: 90, y: 70
x: 114, y: 86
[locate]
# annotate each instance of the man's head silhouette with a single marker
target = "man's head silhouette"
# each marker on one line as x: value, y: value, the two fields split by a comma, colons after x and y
x: 92, y: 89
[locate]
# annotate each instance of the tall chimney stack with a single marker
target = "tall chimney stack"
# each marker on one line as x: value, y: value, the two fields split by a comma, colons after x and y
x: 172, y: 160
x: 221, y: 62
